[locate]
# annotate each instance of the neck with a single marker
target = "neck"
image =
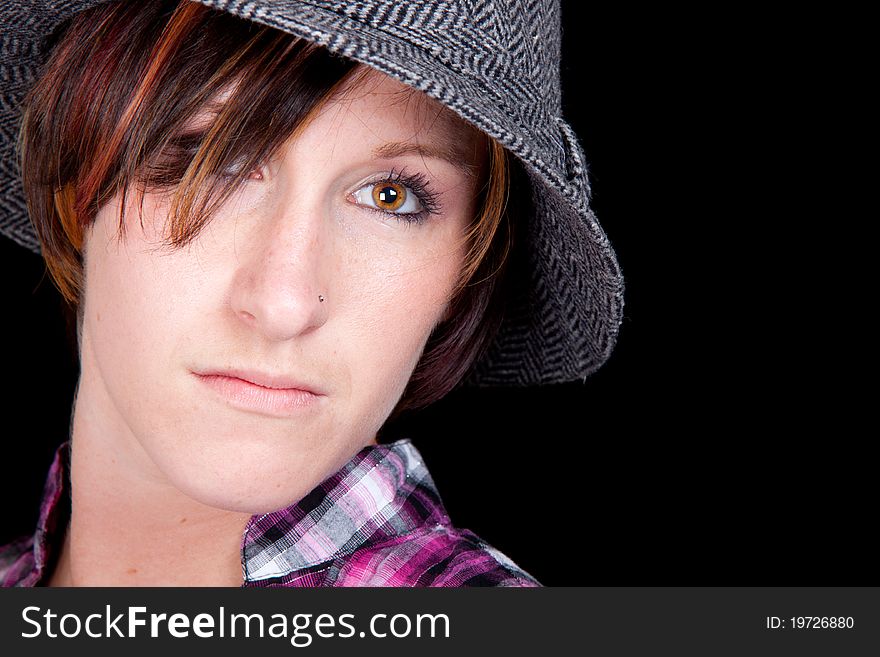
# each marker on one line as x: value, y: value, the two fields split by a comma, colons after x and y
x: 129, y: 526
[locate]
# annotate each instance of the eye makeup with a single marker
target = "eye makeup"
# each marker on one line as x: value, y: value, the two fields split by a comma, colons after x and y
x: 402, y: 191
x: 399, y: 185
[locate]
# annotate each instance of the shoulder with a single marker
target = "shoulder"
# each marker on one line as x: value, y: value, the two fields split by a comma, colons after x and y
x: 16, y: 560
x: 439, y: 555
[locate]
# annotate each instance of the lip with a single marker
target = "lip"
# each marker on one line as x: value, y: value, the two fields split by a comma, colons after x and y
x: 278, y: 396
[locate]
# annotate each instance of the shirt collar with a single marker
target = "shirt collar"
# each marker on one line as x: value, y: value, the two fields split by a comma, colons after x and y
x: 383, y: 492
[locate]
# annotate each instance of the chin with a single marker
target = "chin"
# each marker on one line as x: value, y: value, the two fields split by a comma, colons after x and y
x: 240, y: 496
x: 245, y: 481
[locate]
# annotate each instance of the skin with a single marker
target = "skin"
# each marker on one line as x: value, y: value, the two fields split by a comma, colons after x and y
x: 166, y: 472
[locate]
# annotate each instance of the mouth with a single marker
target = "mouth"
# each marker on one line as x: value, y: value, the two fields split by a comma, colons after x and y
x: 265, y: 394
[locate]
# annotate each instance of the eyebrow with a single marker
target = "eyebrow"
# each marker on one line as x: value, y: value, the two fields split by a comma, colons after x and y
x: 446, y: 152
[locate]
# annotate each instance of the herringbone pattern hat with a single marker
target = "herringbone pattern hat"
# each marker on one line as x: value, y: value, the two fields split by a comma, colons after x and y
x: 495, y: 63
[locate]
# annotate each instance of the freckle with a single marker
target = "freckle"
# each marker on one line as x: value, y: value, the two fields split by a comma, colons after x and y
x: 98, y: 317
x: 182, y: 520
x: 131, y: 571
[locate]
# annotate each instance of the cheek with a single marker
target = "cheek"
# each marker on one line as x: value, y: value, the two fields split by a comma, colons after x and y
x: 396, y: 304
x: 141, y: 288
x: 133, y: 312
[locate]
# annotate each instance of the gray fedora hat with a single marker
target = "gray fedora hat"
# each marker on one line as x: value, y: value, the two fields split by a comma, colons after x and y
x: 493, y: 62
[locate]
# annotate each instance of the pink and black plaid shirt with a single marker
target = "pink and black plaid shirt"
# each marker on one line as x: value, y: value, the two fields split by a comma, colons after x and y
x: 378, y: 521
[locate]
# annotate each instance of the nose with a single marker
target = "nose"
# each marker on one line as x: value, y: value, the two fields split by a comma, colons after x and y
x: 279, y: 288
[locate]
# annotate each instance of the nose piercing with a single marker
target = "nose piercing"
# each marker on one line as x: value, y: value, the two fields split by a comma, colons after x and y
x: 321, y: 298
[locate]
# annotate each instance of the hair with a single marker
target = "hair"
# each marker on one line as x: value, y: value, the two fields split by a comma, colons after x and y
x: 109, y: 110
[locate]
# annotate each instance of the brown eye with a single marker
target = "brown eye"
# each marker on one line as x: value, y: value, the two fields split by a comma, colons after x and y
x: 402, y: 197
x: 389, y: 195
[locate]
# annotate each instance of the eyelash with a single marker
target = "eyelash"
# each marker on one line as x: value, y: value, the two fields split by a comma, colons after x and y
x: 419, y: 185
x: 228, y: 173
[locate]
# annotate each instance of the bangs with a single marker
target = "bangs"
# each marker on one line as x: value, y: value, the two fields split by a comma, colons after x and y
x: 254, y: 90
x: 116, y: 106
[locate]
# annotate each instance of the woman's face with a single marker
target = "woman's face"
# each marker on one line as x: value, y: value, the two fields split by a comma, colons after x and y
x: 162, y: 327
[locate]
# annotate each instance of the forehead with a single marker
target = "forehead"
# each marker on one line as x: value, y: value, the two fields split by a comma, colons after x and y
x: 388, y: 108
x: 369, y: 88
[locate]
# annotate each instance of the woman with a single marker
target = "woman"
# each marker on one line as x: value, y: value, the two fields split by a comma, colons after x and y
x: 278, y: 227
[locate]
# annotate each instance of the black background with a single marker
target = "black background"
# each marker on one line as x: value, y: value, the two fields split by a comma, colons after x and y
x: 716, y: 446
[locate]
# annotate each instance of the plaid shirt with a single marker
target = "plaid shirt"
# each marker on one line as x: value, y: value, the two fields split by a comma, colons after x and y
x: 378, y: 521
